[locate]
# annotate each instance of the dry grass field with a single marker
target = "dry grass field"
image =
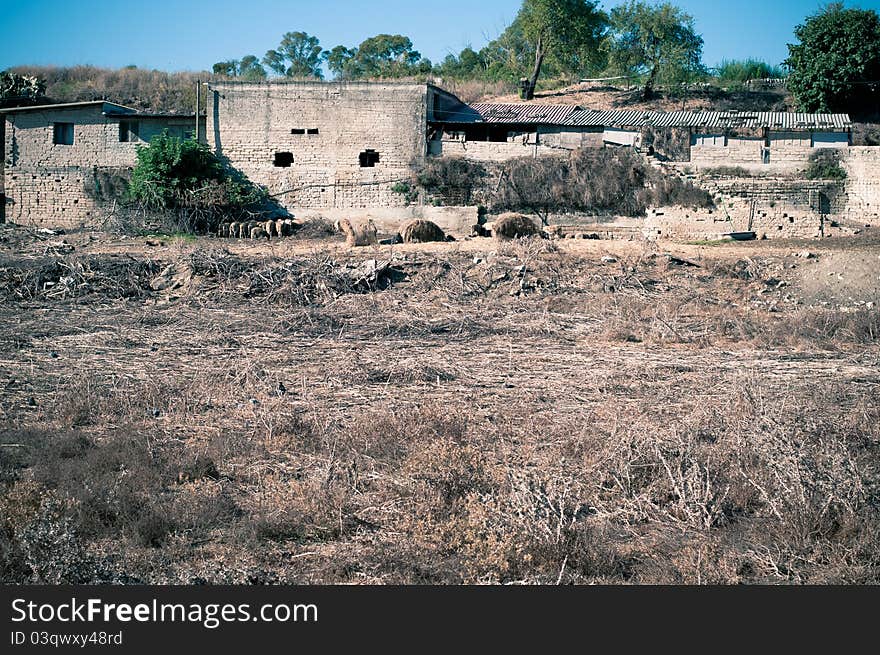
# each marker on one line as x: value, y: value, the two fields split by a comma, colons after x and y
x: 209, y: 410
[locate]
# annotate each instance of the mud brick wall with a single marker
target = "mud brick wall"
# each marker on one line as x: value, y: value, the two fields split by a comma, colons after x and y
x: 324, y: 128
x: 47, y: 184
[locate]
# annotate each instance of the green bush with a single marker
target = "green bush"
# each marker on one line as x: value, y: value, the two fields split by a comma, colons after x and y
x: 185, y: 177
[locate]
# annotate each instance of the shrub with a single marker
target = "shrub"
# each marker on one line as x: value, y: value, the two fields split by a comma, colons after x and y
x: 615, y: 181
x: 825, y: 165
x: 185, y: 177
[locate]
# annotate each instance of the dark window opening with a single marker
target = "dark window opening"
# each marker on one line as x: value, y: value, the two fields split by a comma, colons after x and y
x: 283, y: 159
x: 312, y: 130
x: 369, y: 158
x: 63, y: 134
x: 129, y: 131
x: 297, y: 130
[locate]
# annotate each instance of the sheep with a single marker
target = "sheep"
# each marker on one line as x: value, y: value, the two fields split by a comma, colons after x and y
x: 223, y: 230
x: 512, y: 226
x: 231, y: 230
x: 271, y: 229
x: 421, y: 231
x: 259, y: 232
x: 364, y: 234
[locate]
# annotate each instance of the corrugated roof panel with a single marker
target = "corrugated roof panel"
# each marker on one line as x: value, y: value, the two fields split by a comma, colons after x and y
x: 523, y: 113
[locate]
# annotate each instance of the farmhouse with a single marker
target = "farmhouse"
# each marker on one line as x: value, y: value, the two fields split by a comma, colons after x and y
x: 54, y: 156
x: 326, y: 148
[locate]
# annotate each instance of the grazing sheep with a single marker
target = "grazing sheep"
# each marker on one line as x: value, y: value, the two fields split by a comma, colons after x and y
x: 364, y: 234
x: 285, y: 227
x: 513, y: 226
x: 259, y: 232
x: 271, y: 229
x: 232, y: 230
x: 421, y: 231
x: 223, y: 230
x: 480, y: 231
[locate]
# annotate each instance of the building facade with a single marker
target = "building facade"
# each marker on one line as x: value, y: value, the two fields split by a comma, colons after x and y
x: 54, y: 155
x: 319, y: 145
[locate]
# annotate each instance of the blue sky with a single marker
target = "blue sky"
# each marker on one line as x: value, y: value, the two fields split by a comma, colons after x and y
x: 176, y: 35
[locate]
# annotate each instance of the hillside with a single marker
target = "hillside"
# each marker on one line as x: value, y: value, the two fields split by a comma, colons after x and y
x: 145, y: 90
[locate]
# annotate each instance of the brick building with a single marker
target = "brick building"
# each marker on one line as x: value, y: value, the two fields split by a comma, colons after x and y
x: 53, y: 154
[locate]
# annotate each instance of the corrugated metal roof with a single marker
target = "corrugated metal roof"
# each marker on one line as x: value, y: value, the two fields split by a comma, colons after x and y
x: 64, y: 105
x: 710, y: 119
x: 523, y: 113
x: 601, y: 118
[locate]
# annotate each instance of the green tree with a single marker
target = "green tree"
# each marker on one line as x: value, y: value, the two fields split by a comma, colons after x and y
x: 342, y: 63
x: 250, y: 68
x: 299, y: 55
x: 836, y: 59
x: 383, y: 55
x: 560, y: 28
x: 657, y: 41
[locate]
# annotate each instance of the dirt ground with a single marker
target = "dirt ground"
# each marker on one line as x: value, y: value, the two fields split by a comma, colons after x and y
x: 537, y: 411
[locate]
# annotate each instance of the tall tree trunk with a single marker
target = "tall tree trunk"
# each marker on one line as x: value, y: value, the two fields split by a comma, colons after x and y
x: 648, y: 93
x: 539, y: 61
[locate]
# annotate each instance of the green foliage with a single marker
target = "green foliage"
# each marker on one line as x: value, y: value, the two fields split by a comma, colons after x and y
x: 825, y: 165
x: 298, y: 55
x: 837, y: 55
x: 184, y: 178
x: 657, y: 41
x: 169, y: 166
x: 570, y: 30
x: 743, y: 70
x: 405, y: 189
x: 384, y: 55
x: 17, y: 89
x: 248, y: 68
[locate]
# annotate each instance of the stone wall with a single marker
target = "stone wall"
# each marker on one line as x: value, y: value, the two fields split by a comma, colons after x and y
x: 862, y: 165
x: 323, y: 130
x: 48, y: 184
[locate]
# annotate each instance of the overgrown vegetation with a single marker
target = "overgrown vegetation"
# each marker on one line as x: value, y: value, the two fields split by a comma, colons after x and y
x: 594, y: 181
x: 184, y: 179
x: 326, y: 464
x: 146, y: 90
x: 825, y: 165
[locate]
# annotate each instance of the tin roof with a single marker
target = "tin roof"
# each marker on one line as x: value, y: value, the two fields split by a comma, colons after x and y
x: 710, y: 119
x: 68, y: 105
x: 523, y: 113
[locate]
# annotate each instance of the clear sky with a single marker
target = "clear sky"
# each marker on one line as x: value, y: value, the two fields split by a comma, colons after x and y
x: 179, y: 35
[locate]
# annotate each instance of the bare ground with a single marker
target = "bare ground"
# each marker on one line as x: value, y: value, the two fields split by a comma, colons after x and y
x: 566, y: 411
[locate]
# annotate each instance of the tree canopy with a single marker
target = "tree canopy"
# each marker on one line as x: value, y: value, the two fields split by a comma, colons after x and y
x: 298, y: 55
x: 248, y: 68
x: 383, y: 55
x: 569, y: 29
x: 657, y: 41
x: 837, y: 60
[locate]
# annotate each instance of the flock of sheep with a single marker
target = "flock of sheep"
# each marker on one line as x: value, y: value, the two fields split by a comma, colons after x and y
x: 257, y: 229
x: 364, y: 233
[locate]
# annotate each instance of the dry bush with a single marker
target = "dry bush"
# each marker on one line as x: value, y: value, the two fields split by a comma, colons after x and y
x: 315, y: 228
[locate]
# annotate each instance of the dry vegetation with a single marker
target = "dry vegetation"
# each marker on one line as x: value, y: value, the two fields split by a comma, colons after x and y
x: 526, y: 412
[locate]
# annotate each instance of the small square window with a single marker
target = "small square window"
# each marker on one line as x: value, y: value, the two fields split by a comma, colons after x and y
x: 62, y: 134
x: 368, y: 158
x: 129, y: 131
x: 283, y: 159
x: 312, y: 130
x: 297, y: 130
